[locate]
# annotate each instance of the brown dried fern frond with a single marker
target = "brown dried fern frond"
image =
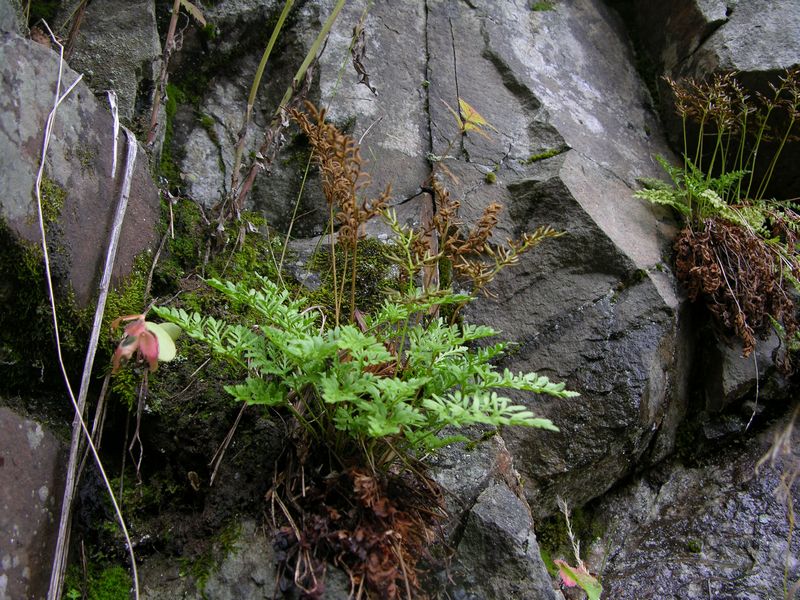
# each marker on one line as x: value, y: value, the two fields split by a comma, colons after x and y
x: 341, y: 167
x: 473, y: 255
x: 738, y: 275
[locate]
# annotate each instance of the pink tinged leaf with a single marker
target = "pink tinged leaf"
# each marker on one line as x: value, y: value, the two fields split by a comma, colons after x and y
x: 148, y: 348
x: 563, y: 572
x: 581, y: 577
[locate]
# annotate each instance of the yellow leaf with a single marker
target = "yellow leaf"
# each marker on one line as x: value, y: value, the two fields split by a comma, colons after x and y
x: 194, y: 11
x: 472, y: 118
x: 455, y: 114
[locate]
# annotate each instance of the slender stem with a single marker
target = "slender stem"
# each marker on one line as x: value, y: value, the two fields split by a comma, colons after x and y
x: 169, y: 44
x: 294, y: 216
x: 312, y: 54
x: 251, y: 100
x: 762, y: 188
x: 336, y: 297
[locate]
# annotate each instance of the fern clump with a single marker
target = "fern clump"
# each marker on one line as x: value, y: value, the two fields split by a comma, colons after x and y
x: 366, y: 396
x: 386, y: 389
x: 737, y: 251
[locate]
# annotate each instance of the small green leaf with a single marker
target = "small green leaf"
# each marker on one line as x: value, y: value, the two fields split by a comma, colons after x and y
x: 166, y: 347
x: 172, y: 330
x: 194, y: 11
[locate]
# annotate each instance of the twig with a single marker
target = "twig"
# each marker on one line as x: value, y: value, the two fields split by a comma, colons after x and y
x: 97, y: 423
x: 169, y: 47
x: 216, y: 460
x: 112, y: 101
x: 366, y: 131
x: 62, y: 542
x: 136, y: 437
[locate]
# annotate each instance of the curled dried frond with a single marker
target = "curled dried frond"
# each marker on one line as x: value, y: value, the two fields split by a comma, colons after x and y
x: 736, y: 273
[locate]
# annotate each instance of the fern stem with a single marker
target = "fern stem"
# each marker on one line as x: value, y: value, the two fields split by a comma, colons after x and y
x: 762, y: 188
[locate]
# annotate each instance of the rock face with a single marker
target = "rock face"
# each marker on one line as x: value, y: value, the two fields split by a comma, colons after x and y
x: 9, y: 16
x: 571, y: 130
x: 719, y: 529
x: 80, y: 194
x: 595, y: 308
x: 31, y: 484
x: 117, y: 48
x: 757, y: 39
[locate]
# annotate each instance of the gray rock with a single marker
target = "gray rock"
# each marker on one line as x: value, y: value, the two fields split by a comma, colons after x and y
x: 757, y: 39
x: 498, y: 556
x: 392, y: 125
x: 78, y: 171
x: 31, y: 484
x: 117, y: 48
x: 596, y: 308
x: 489, y: 525
x: 568, y: 148
x: 248, y: 570
x: 716, y: 530
x: 10, y: 16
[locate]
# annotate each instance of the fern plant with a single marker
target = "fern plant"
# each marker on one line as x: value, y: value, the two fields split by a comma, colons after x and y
x: 384, y: 391
x: 738, y: 248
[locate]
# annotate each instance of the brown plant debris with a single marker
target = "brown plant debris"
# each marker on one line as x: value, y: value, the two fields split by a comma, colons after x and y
x: 739, y: 276
x: 340, y: 164
x: 377, y: 528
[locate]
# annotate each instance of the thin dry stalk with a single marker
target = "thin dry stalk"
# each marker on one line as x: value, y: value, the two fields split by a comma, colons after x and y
x: 62, y: 542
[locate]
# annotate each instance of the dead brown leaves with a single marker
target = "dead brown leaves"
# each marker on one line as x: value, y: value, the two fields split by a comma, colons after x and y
x: 376, y: 528
x: 739, y: 277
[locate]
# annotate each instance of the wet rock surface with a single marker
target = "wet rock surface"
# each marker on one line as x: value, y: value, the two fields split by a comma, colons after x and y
x: 31, y: 485
x: 572, y: 131
x: 717, y: 529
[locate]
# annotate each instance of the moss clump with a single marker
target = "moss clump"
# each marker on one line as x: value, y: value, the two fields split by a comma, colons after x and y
x: 168, y: 163
x: 28, y: 360
x: 553, y: 538
x: 41, y: 9
x: 543, y: 5
x: 109, y: 583
x: 374, y: 274
x: 53, y: 197
x: 549, y: 153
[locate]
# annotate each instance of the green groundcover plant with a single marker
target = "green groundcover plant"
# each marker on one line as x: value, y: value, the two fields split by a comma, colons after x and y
x: 386, y: 389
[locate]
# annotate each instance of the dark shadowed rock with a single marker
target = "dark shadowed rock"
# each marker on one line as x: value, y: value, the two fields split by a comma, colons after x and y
x: 81, y: 194
x: 719, y: 529
x: 730, y: 378
x: 117, y: 48
x: 31, y: 483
